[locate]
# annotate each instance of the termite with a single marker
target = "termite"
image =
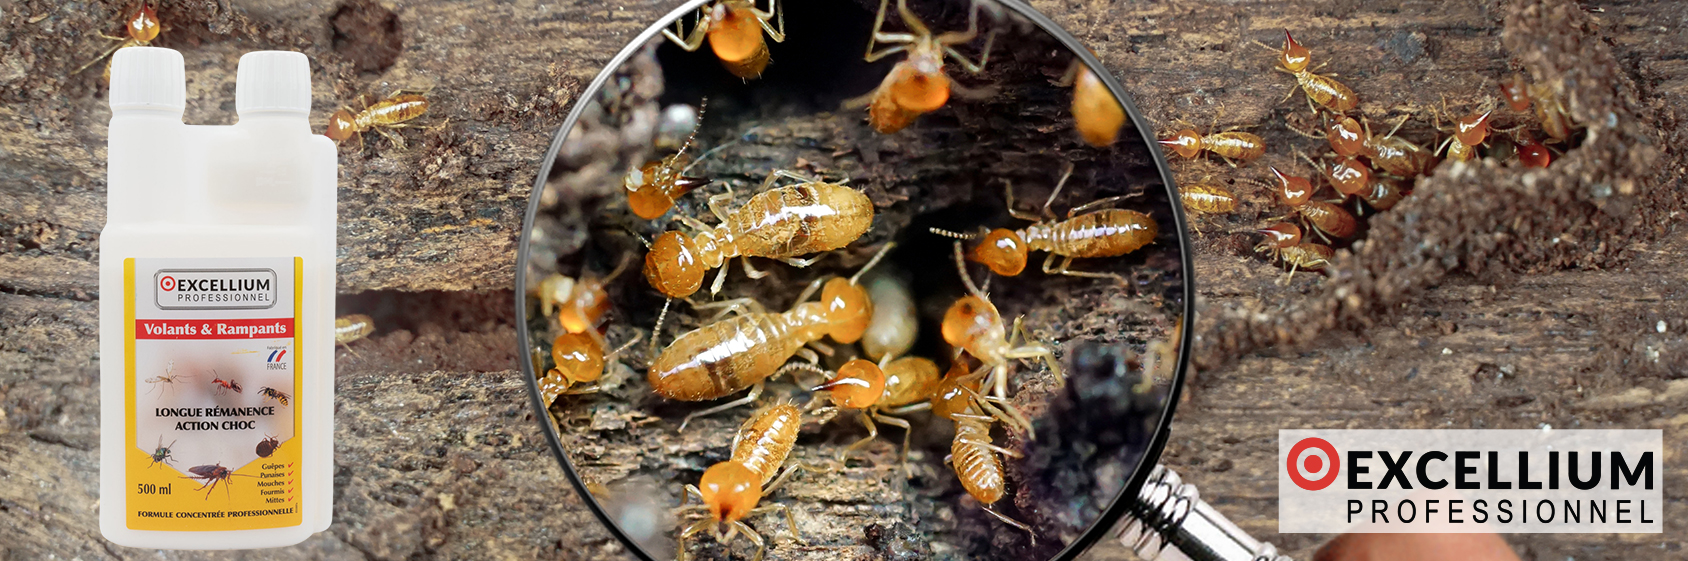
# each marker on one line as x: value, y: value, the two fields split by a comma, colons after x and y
x: 1382, y: 193
x: 352, y: 327
x: 1326, y: 218
x: 578, y: 304
x: 1320, y: 88
x: 168, y: 378
x: 721, y: 358
x: 973, y: 324
x: 272, y: 393
x: 1469, y: 132
x: 1205, y: 198
x: 267, y: 446
x: 894, y: 326
x: 1283, y: 242
x: 973, y: 457
x: 161, y: 453
x: 1109, y: 232
x: 1229, y: 145
x: 390, y: 113
x: 142, y: 26
x: 1516, y: 92
x: 917, y: 85
x: 1096, y: 112
x: 652, y: 188
x: 211, y: 475
x: 1550, y: 110
x: 778, y: 223
x: 1347, y: 175
x: 734, y: 29
x: 579, y: 358
x: 730, y: 490
x: 1390, y: 153
x: 223, y: 386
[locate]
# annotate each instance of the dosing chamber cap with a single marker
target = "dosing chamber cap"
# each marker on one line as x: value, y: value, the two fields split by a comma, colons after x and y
x: 148, y: 77
x: 273, y: 81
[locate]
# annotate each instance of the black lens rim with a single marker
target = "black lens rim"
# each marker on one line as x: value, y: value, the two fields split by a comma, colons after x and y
x: 1118, y: 507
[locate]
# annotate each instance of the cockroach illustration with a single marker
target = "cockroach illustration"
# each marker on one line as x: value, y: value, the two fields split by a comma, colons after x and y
x: 212, y: 474
x: 267, y: 446
x: 272, y: 393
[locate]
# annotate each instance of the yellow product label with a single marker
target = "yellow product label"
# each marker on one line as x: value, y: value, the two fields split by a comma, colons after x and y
x: 212, y: 392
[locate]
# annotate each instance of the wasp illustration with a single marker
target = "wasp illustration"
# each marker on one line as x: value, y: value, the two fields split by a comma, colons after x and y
x: 212, y: 474
x: 161, y: 454
x: 267, y: 446
x: 223, y: 386
x: 271, y: 393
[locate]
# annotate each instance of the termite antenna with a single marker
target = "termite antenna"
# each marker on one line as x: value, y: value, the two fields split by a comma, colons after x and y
x: 656, y: 332
x: 712, y: 151
x: 701, y: 105
x: 874, y: 261
x: 626, y: 258
x: 961, y: 267
x: 624, y: 346
x: 956, y: 235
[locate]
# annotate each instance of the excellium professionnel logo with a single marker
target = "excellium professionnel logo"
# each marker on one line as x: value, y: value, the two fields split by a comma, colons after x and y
x: 1516, y: 481
x: 215, y: 289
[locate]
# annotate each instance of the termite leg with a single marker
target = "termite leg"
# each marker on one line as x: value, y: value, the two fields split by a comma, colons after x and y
x: 1065, y: 174
x: 1011, y: 522
x: 715, y: 204
x: 998, y: 449
x: 804, y: 263
x: 1106, y: 201
x: 695, y: 39
x: 755, y: 392
x: 755, y: 538
x: 908, y: 430
x: 398, y: 141
x: 872, y: 433
x: 750, y: 270
x: 762, y: 18
x: 1064, y: 269
x: 740, y: 305
x: 1008, y: 193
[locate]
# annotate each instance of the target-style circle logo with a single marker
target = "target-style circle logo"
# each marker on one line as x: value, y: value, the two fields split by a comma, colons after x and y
x: 168, y: 283
x: 1302, y: 464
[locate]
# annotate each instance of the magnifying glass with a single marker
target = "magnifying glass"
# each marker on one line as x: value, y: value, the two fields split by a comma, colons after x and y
x: 814, y: 279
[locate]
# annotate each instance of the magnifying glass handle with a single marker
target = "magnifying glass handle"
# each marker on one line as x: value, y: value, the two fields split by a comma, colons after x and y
x: 1169, y: 521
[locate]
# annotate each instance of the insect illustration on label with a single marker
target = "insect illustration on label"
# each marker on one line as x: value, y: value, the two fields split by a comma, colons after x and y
x: 169, y: 377
x: 161, y: 453
x: 223, y: 386
x: 212, y: 474
x: 267, y: 446
x: 272, y: 393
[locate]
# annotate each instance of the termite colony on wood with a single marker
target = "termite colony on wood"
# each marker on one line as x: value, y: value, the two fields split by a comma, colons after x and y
x: 854, y: 296
x: 1367, y: 173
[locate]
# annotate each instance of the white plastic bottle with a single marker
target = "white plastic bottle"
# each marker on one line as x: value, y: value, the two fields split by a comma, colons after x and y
x: 216, y: 311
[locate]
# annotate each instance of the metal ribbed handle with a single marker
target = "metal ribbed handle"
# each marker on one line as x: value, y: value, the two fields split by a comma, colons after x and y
x: 1170, y: 522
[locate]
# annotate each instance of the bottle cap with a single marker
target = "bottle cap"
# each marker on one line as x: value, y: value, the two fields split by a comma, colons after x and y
x: 148, y: 77
x: 273, y: 81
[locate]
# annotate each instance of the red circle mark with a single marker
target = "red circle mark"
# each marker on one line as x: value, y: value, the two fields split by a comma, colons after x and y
x: 1313, y: 463
x: 167, y: 283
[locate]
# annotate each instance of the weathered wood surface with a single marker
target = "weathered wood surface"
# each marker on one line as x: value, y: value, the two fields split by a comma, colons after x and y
x: 1542, y: 338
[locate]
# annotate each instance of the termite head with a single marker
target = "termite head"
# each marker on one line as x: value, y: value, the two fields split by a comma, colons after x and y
x: 341, y: 126
x: 1002, y: 250
x: 1516, y: 93
x: 1473, y: 128
x: 1294, y: 57
x: 651, y: 188
x: 1296, y: 191
x: 1534, y: 154
x: 578, y: 357
x: 673, y: 265
x: 1186, y: 143
x: 920, y: 84
x: 848, y: 309
x: 972, y: 323
x: 1349, y: 176
x: 857, y: 385
x: 1097, y: 113
x: 954, y: 394
x: 1279, y: 236
x: 730, y: 490
x: 587, y: 304
x: 143, y: 25
x: 1347, y: 137
x: 553, y: 291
